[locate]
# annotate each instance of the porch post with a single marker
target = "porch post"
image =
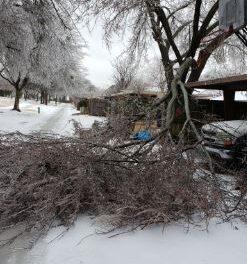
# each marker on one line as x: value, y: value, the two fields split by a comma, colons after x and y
x: 229, y: 96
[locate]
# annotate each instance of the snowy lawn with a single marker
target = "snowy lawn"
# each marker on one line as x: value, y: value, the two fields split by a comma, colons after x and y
x: 52, y: 118
x: 223, y: 244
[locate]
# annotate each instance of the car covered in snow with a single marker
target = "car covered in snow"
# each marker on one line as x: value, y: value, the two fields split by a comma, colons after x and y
x: 227, y: 140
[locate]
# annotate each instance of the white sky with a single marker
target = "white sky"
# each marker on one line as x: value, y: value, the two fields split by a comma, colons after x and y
x: 99, y: 57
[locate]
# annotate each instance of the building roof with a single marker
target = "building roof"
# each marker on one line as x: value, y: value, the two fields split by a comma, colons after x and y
x: 235, y: 83
x: 135, y: 93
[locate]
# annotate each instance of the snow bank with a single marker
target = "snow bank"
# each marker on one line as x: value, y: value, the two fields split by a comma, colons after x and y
x: 224, y: 243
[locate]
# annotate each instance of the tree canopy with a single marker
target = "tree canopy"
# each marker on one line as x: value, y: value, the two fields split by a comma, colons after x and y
x: 39, y: 44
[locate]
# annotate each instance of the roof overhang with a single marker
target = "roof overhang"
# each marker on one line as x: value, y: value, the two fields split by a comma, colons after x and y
x: 234, y: 83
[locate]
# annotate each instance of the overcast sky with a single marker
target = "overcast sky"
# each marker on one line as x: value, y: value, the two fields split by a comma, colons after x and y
x: 99, y: 57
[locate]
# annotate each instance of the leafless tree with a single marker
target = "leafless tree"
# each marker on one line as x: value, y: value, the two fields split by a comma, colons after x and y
x: 124, y: 73
x: 139, y: 84
x: 186, y: 34
x: 156, y: 74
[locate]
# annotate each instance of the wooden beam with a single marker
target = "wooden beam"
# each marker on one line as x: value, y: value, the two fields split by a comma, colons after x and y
x: 229, y: 97
x: 235, y: 83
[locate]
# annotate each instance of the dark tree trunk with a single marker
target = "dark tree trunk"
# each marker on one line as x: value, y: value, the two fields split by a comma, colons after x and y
x: 45, y: 98
x: 200, y: 65
x: 205, y: 54
x: 164, y: 49
x: 42, y: 97
x: 17, y: 99
x: 26, y: 95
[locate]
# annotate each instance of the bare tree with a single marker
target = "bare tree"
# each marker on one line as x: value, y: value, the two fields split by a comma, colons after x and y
x: 124, y: 73
x: 166, y: 22
x: 139, y: 84
x: 156, y: 74
x: 178, y: 28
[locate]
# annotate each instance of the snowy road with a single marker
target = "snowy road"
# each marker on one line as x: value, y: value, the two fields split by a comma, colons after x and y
x: 52, y: 118
x: 55, y: 121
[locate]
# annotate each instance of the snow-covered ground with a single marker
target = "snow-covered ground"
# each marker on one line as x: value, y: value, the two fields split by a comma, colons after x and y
x: 52, y: 118
x: 223, y: 244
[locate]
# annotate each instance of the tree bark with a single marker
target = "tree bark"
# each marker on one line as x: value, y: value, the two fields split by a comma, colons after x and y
x: 17, y: 99
x: 26, y: 95
x: 205, y: 54
x: 164, y: 50
x: 42, y: 97
x: 45, y: 98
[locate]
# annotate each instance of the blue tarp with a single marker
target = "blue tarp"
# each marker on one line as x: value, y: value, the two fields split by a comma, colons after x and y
x: 143, y: 135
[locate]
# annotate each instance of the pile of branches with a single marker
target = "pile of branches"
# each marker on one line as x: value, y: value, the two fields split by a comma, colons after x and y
x: 46, y: 179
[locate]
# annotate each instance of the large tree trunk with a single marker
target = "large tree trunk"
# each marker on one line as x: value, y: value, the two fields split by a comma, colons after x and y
x: 17, y: 99
x: 45, y: 98
x: 42, y: 97
x: 19, y: 87
x: 199, y: 66
x: 26, y: 95
x: 205, y: 54
x: 164, y: 49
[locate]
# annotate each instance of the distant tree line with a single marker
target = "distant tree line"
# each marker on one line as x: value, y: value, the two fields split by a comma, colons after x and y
x: 40, y: 49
